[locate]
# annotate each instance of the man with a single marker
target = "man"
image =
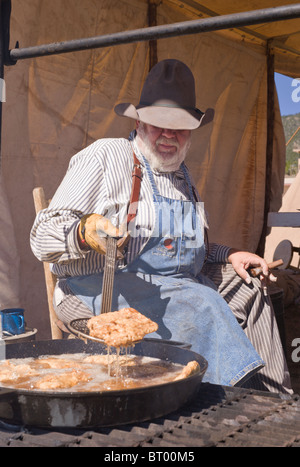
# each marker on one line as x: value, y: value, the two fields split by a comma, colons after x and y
x: 162, y: 244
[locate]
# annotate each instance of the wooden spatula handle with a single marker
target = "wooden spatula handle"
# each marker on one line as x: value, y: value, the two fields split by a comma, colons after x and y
x: 256, y: 271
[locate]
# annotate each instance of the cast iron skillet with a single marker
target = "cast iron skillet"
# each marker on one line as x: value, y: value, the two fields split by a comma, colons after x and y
x: 100, y: 408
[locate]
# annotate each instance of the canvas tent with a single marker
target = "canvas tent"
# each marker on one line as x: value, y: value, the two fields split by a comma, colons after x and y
x: 56, y: 105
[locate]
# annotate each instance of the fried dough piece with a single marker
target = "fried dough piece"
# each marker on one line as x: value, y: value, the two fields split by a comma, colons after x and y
x: 98, y: 359
x: 13, y: 372
x: 6, y: 371
x: 190, y: 369
x: 121, y: 328
x: 59, y: 363
x: 61, y: 381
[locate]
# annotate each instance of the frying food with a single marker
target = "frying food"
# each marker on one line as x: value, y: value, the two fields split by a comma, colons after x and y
x: 117, y: 329
x: 190, y: 369
x: 61, y: 381
x: 121, y: 328
x: 83, y: 372
x: 54, y: 362
x: 13, y: 372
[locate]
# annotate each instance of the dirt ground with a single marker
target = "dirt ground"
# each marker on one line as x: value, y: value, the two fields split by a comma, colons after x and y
x: 292, y: 339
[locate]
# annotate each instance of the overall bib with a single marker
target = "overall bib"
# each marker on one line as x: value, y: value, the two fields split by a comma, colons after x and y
x: 164, y: 282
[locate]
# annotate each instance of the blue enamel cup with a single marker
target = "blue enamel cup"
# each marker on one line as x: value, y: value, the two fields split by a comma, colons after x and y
x: 13, y: 320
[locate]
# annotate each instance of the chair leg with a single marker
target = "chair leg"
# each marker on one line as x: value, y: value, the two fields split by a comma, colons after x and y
x: 40, y: 203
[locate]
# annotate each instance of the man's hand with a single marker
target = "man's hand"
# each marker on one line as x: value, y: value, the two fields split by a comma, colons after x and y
x: 93, y: 231
x: 243, y: 260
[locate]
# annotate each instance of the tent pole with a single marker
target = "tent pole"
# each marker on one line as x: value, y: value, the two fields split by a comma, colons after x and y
x: 1, y: 76
x: 217, y: 23
x: 2, y: 29
x: 5, y: 11
x: 152, y: 21
x: 269, y: 148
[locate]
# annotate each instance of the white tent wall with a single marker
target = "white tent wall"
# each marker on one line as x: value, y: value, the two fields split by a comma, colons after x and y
x: 57, y: 105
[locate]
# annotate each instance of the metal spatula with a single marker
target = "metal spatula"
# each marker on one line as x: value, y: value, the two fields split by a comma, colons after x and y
x: 109, y: 273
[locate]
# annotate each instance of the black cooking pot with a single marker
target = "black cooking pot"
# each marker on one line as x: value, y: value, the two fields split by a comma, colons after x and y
x: 98, y: 408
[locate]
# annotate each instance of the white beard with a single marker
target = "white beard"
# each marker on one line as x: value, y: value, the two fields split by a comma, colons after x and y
x: 156, y: 160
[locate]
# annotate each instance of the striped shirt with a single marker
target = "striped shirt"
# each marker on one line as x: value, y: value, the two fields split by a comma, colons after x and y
x: 98, y: 180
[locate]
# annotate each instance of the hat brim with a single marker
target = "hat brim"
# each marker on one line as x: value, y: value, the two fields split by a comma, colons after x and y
x: 173, y: 118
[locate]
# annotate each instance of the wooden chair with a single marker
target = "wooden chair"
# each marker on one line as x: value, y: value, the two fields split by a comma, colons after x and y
x: 40, y: 203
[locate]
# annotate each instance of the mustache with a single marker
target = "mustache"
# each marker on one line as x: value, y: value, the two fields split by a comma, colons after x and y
x: 163, y: 140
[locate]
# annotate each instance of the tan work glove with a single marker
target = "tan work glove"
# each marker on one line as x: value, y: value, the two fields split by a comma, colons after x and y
x: 94, y: 229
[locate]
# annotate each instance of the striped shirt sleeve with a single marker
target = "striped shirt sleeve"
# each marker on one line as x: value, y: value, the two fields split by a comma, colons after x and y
x: 54, y: 233
x: 218, y: 253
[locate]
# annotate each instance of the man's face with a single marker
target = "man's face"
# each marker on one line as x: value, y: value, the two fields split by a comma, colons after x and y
x: 164, y: 149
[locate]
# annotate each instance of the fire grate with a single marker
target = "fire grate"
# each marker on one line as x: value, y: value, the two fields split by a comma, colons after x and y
x: 218, y: 416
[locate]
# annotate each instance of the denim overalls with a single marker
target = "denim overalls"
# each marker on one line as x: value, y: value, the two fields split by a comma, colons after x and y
x: 164, y: 283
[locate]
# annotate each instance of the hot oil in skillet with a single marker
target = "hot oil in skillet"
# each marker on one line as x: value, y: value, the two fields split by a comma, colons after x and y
x: 86, y: 373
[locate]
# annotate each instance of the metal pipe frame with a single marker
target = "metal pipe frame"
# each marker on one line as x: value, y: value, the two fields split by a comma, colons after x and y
x: 266, y: 15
